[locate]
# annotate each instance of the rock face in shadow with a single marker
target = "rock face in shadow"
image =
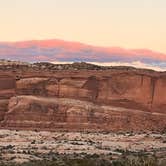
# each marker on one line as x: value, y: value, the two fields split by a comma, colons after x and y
x: 116, y: 99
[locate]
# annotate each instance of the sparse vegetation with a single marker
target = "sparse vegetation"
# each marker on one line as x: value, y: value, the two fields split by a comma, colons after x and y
x: 93, y: 160
x: 81, y: 149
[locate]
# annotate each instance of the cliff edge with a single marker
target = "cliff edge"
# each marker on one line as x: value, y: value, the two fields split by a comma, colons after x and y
x: 81, y: 96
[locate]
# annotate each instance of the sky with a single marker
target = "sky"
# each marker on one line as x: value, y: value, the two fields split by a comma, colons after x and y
x: 122, y: 23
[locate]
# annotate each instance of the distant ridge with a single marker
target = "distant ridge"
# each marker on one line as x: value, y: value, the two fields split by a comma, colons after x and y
x: 49, y: 66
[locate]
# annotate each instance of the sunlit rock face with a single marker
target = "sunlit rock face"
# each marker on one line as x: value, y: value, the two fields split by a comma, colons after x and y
x: 88, y: 100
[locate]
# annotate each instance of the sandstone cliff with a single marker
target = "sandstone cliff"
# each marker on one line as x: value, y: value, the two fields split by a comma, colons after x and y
x: 105, y: 99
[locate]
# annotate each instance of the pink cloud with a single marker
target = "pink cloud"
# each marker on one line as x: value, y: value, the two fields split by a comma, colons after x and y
x: 42, y: 58
x: 76, y: 47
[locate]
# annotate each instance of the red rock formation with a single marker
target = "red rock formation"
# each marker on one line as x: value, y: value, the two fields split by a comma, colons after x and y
x: 29, y: 112
x: 109, y: 100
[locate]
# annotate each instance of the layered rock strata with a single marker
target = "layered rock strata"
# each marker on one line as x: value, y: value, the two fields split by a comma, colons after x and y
x: 103, y: 100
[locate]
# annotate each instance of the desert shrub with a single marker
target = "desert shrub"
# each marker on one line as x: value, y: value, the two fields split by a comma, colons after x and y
x: 95, y: 160
x: 136, y: 161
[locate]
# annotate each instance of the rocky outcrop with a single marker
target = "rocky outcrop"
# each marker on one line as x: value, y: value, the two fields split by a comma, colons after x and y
x: 104, y: 100
x: 29, y: 112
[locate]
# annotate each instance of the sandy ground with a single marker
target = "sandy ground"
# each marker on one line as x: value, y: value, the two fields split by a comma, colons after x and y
x: 22, y: 146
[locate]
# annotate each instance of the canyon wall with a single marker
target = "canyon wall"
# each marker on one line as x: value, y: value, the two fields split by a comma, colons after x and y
x: 88, y: 100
